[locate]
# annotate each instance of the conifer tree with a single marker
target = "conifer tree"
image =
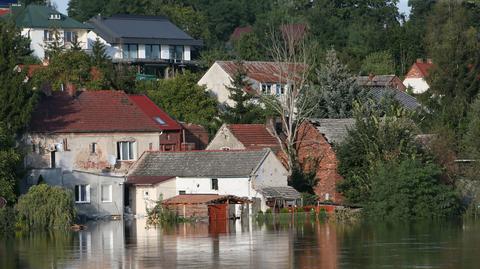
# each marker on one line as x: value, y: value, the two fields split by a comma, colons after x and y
x: 244, y: 110
x: 337, y: 89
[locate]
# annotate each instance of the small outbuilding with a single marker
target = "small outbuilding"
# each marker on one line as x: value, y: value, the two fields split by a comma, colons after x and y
x: 211, y: 206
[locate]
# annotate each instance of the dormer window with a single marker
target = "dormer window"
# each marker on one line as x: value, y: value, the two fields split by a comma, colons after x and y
x: 159, y: 120
x: 55, y: 16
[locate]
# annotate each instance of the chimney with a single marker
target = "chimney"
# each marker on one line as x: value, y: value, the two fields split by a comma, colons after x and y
x: 71, y: 89
x: 419, y: 60
x: 429, y: 61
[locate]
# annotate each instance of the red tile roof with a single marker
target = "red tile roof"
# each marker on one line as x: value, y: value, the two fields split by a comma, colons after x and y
x: 92, y: 112
x: 147, y: 180
x: 154, y: 112
x: 263, y: 72
x: 239, y: 31
x: 4, y: 11
x: 254, y: 136
x: 424, y: 67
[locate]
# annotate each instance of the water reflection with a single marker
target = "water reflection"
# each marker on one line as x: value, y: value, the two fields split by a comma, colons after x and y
x: 248, y: 244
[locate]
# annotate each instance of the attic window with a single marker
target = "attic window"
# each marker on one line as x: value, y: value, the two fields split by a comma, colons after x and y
x: 56, y: 16
x: 159, y: 121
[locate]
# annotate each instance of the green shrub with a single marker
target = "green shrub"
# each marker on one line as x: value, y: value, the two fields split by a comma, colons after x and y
x: 284, y: 210
x: 300, y: 210
x: 411, y: 189
x: 7, y: 220
x: 46, y: 207
x: 268, y: 211
x: 322, y: 214
x: 309, y: 199
x: 160, y: 214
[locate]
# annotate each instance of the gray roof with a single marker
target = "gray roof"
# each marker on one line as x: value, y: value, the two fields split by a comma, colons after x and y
x: 286, y: 192
x: 334, y: 130
x: 405, y: 99
x: 378, y: 80
x: 199, y: 163
x: 141, y: 30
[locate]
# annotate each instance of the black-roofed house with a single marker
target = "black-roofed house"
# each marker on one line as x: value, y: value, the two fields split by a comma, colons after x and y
x: 152, y: 43
x: 246, y: 174
x: 388, y: 86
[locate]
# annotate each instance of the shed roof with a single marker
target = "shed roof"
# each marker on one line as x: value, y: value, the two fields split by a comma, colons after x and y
x: 141, y: 29
x: 334, y: 130
x: 253, y: 136
x: 184, y: 199
x: 285, y: 192
x: 95, y: 112
x: 199, y: 163
x: 39, y: 16
x: 405, y: 99
x: 263, y: 72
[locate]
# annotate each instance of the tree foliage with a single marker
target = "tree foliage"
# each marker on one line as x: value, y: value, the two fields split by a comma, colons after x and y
x: 46, y: 207
x: 409, y: 189
x: 378, y: 63
x: 183, y: 99
x: 376, y: 137
x: 337, y: 89
x: 246, y: 109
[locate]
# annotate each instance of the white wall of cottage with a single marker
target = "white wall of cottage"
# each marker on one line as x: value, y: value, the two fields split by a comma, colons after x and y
x: 77, y: 154
x: 143, y: 197
x: 217, y: 80
x: 223, y: 139
x: 38, y: 44
x: 418, y: 85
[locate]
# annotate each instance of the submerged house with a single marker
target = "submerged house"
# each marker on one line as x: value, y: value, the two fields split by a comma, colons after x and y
x: 44, y: 25
x: 153, y: 44
x: 87, y: 142
x: 245, y: 174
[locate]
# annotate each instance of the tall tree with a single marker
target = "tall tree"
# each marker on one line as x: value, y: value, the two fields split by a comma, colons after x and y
x: 378, y: 63
x: 337, y: 89
x: 244, y: 110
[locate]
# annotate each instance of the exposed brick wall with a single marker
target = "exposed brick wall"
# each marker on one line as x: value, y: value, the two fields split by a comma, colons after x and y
x: 195, y: 210
x: 314, y: 152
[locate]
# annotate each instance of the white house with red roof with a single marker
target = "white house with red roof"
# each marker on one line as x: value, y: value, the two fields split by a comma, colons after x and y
x: 416, y: 76
x: 87, y: 143
x: 243, y: 136
x: 261, y: 77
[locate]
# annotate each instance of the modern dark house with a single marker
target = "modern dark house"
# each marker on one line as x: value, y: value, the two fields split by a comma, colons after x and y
x: 153, y: 44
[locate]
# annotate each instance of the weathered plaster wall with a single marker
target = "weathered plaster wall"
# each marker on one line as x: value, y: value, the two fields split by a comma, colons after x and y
x: 77, y: 155
x: 224, y: 139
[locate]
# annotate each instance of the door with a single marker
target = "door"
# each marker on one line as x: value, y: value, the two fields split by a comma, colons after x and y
x: 217, y: 212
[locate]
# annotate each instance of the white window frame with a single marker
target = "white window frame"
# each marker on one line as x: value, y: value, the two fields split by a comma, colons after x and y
x: 109, y: 193
x: 73, y: 36
x: 120, y: 156
x: 87, y: 194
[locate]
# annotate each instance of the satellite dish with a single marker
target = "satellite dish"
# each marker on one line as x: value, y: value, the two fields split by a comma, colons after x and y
x: 112, y: 160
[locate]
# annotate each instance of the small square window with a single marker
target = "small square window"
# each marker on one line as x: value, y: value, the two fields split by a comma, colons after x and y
x: 93, y: 148
x: 182, y: 192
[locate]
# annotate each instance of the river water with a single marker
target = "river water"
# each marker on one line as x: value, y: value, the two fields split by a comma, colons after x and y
x: 249, y: 244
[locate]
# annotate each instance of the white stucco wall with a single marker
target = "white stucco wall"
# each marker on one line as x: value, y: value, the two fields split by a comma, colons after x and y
x: 140, y: 200
x: 217, y: 80
x: 113, y: 52
x: 418, y: 85
x: 224, y: 139
x: 271, y: 173
x: 38, y: 45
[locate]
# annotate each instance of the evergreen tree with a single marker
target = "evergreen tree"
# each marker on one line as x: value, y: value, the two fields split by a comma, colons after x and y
x: 16, y: 96
x: 99, y: 54
x: 55, y: 46
x: 244, y: 110
x: 337, y: 89
x: 378, y: 63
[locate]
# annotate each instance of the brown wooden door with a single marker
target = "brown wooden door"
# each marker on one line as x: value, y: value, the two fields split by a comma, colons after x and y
x: 217, y: 212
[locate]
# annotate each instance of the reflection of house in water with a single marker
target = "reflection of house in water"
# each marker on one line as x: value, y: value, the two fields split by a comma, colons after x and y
x: 324, y: 254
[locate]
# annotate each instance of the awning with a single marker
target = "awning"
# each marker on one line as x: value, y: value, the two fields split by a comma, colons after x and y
x: 286, y: 192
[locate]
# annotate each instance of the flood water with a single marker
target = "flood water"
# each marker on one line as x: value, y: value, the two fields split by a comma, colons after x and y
x: 307, y: 244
